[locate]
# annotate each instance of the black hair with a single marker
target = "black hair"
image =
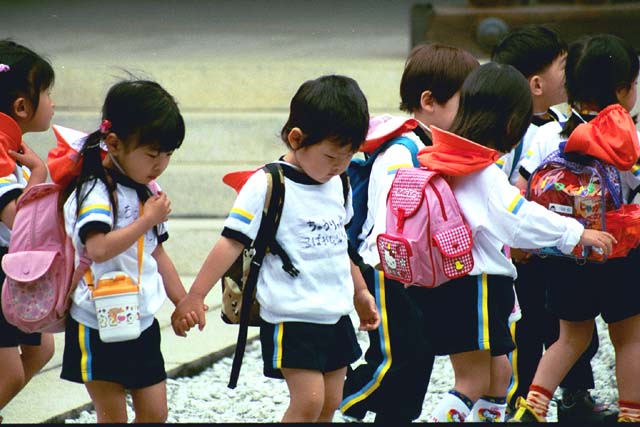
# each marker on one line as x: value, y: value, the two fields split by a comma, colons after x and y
x: 495, y: 107
x: 329, y: 107
x: 25, y: 74
x: 597, y: 67
x: 530, y: 49
x: 436, y: 67
x: 141, y: 113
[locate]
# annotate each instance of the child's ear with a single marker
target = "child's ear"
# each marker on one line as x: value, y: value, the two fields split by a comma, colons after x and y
x: 535, y: 85
x: 427, y: 101
x: 112, y: 142
x: 295, y: 138
x: 21, y: 108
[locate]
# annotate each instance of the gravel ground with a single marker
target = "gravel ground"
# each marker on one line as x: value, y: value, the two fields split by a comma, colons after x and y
x: 205, y: 398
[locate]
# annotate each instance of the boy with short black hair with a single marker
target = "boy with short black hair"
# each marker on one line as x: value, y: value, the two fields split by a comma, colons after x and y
x: 540, y: 55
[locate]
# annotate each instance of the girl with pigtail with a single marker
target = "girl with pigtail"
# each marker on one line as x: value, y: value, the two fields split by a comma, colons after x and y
x: 25, y: 106
x: 116, y: 216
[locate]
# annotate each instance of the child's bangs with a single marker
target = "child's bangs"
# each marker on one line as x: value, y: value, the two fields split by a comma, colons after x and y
x: 164, y: 134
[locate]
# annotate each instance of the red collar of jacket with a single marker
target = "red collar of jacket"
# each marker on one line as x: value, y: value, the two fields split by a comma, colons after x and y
x: 10, y: 139
x: 611, y: 136
x: 454, y: 155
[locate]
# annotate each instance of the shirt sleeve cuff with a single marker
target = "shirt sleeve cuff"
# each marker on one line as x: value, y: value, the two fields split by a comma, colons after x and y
x: 9, y: 197
x: 236, y: 235
x: 90, y: 227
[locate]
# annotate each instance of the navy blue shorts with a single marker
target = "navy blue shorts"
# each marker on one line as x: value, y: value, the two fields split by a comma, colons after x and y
x: 312, y: 346
x: 134, y: 364
x: 466, y: 314
x: 582, y: 292
x: 10, y: 336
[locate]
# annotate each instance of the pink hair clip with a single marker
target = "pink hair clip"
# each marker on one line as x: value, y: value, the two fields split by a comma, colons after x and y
x: 4, y: 68
x: 105, y: 126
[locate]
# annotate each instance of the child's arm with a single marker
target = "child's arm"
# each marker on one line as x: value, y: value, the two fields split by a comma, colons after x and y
x: 221, y: 257
x: 172, y: 283
x: 38, y: 175
x: 170, y: 277
x: 104, y: 246
x: 363, y: 301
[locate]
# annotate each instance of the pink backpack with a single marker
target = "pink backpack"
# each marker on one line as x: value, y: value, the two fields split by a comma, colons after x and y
x: 427, y: 242
x: 39, y: 267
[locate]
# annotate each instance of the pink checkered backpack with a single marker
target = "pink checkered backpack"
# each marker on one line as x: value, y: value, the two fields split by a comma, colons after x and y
x: 39, y: 267
x: 427, y: 241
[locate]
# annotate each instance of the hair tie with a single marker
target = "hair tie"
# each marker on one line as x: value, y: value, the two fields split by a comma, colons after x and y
x: 4, y: 68
x: 105, y: 126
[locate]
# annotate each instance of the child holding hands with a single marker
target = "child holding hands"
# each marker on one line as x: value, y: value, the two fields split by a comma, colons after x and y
x: 25, y: 106
x: 307, y: 336
x: 116, y: 215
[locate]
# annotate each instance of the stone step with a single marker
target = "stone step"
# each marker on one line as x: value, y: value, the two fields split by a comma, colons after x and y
x: 227, y: 84
x: 215, y: 143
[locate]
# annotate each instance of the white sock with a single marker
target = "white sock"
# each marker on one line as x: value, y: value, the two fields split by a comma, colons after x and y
x: 454, y: 407
x: 488, y: 410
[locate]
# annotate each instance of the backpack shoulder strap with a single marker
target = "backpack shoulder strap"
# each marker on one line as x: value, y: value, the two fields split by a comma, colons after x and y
x: 344, y: 177
x: 410, y: 145
x: 274, y: 200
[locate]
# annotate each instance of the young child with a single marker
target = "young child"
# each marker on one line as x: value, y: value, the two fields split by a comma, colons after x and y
x: 25, y: 106
x: 115, y: 216
x: 540, y: 55
x: 429, y: 91
x: 601, y: 74
x: 306, y: 334
x: 494, y: 114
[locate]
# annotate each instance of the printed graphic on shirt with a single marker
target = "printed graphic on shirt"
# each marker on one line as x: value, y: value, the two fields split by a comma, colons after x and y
x: 323, y: 232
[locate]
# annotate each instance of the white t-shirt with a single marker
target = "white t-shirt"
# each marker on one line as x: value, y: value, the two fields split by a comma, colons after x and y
x: 383, y: 171
x: 96, y: 214
x: 497, y: 215
x: 11, y: 187
x: 312, y: 233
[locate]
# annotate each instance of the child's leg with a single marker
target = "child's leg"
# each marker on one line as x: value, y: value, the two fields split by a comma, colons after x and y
x: 19, y: 364
x: 333, y: 383
x: 472, y: 370
x: 625, y: 336
x: 557, y: 360
x: 34, y: 357
x: 492, y: 406
x: 500, y: 375
x: 306, y: 395
x: 11, y: 374
x: 150, y: 403
x: 109, y: 401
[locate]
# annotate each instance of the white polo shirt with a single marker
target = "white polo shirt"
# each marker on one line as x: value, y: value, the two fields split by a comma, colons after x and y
x: 96, y: 214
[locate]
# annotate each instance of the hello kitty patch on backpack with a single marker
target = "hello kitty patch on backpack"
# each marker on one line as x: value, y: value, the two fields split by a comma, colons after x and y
x: 427, y: 241
x: 39, y: 267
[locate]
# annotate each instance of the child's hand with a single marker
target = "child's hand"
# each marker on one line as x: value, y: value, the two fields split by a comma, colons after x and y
x: 26, y: 156
x: 598, y: 239
x: 157, y: 208
x: 367, y: 311
x: 189, y: 312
